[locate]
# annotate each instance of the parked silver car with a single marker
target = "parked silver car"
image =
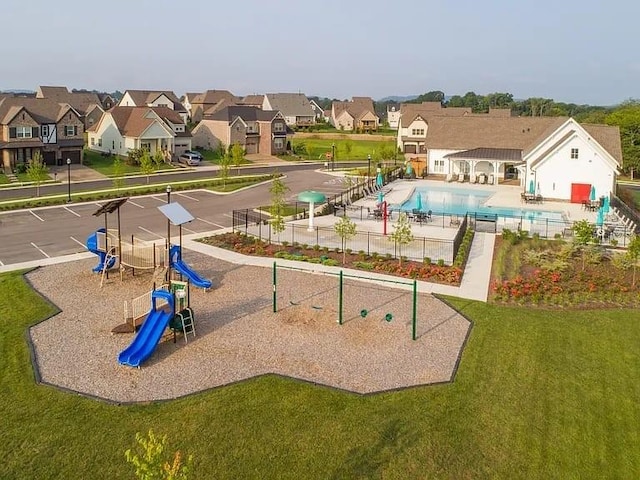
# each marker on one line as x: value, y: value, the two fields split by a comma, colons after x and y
x: 191, y: 159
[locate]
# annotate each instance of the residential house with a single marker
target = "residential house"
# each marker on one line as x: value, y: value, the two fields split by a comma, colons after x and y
x: 186, y: 100
x: 29, y: 125
x: 318, y: 111
x: 154, y: 98
x: 393, y: 115
x: 355, y: 115
x: 154, y: 128
x: 295, y: 108
x: 560, y: 158
x: 210, y: 102
x: 256, y: 130
x: 89, y: 105
x: 252, y: 100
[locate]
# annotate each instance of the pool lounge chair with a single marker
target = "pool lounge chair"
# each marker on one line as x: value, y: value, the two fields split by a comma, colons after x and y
x: 473, y: 178
x: 461, y: 177
x: 483, y: 178
x: 449, y: 177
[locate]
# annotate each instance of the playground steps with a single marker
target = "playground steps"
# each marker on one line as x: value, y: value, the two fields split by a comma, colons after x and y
x: 185, y: 320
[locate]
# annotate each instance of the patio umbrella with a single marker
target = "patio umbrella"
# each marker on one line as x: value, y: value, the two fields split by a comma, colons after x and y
x: 312, y: 197
x: 419, y: 202
x: 380, y: 197
x: 600, y: 217
x: 592, y: 197
x: 409, y: 169
x: 379, y: 179
x: 532, y: 188
x: 605, y: 206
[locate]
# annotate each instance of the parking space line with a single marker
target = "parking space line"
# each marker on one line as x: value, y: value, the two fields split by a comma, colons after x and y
x: 187, y: 196
x: 39, y: 249
x: 210, y: 223
x: 188, y: 230
x: 136, y: 204
x: 71, y: 211
x: 78, y: 242
x: 150, y: 232
x: 163, y: 200
x: 34, y: 214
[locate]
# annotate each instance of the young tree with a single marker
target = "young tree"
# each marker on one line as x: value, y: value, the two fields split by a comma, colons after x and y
x: 37, y: 171
x: 278, y: 191
x: 118, y: 173
x: 308, y: 150
x: 225, y: 166
x: 402, y: 234
x: 633, y: 254
x: 146, y: 164
x: 345, y: 228
x: 348, y: 148
x: 150, y: 463
x: 158, y: 159
x: 237, y: 156
x: 583, y: 236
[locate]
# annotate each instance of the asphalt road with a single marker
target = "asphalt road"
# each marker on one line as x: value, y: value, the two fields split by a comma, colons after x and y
x: 34, y: 234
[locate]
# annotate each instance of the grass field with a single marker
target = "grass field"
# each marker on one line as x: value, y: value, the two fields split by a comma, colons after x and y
x: 345, y: 149
x: 538, y: 394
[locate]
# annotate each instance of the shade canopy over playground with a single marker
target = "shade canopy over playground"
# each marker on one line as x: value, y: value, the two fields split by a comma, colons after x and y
x: 312, y: 197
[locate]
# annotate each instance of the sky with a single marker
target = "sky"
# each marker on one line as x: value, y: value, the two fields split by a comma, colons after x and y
x: 578, y: 51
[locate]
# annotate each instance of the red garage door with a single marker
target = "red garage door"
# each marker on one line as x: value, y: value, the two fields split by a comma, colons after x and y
x: 580, y: 192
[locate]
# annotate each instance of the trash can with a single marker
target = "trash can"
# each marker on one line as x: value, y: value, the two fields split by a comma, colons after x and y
x: 59, y: 162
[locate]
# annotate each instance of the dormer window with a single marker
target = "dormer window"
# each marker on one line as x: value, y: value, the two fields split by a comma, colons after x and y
x: 45, y: 130
x: 574, y: 154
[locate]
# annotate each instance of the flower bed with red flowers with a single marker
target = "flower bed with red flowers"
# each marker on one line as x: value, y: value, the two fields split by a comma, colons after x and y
x: 247, y: 245
x: 556, y: 274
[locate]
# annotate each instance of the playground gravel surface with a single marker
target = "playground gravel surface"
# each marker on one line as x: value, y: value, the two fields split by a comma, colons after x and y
x: 238, y: 336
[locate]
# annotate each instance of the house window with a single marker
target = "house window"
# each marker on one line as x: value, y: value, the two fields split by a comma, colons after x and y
x: 574, y: 153
x: 278, y: 127
x: 70, y: 130
x: 100, y: 142
x: 45, y: 131
x: 93, y: 141
x: 417, y: 131
x: 24, y: 132
x: 438, y: 166
x: 279, y: 143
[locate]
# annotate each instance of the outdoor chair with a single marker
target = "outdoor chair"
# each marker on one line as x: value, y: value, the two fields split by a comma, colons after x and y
x: 483, y: 179
x: 461, y: 177
x: 449, y: 177
x: 454, y: 221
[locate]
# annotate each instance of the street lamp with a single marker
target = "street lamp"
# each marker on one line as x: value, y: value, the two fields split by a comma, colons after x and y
x: 368, y: 167
x: 333, y: 156
x: 68, y: 180
x: 168, y: 236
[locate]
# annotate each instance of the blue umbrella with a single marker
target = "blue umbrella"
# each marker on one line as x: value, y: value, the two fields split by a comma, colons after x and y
x: 379, y: 180
x: 600, y: 218
x: 532, y: 188
x: 592, y: 197
x: 605, y: 206
x: 409, y: 169
x: 419, y: 202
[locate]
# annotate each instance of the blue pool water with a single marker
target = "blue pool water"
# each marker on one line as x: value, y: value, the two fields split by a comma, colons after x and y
x: 459, y: 201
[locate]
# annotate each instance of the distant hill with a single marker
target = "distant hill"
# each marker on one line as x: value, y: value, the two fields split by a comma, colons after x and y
x: 19, y: 91
x: 399, y: 99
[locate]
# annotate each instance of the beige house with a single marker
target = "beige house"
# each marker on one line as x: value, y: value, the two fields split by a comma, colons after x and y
x: 127, y: 128
x: 256, y: 130
x: 30, y: 125
x: 209, y: 102
x: 154, y: 98
x: 355, y: 115
x: 294, y: 107
x: 89, y: 105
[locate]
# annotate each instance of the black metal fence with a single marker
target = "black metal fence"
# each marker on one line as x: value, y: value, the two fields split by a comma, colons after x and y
x: 257, y: 224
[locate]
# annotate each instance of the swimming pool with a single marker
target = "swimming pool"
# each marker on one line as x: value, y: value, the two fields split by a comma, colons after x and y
x: 459, y: 201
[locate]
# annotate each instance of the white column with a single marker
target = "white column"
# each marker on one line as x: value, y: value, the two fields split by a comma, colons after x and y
x: 311, y: 208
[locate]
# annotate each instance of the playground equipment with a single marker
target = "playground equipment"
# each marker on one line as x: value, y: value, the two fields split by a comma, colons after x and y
x: 151, y: 331
x: 388, y: 317
x: 175, y: 261
x: 169, y: 309
x: 92, y: 246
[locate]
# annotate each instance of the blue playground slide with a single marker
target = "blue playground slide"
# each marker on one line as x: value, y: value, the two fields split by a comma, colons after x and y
x: 184, y: 269
x: 149, y: 334
x: 92, y: 246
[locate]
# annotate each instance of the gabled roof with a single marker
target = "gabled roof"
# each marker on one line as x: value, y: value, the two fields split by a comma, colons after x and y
x: 133, y: 121
x: 246, y: 112
x: 410, y: 111
x: 211, y: 97
x: 143, y: 98
x: 506, y: 154
x: 43, y: 110
x: 82, y: 102
x: 291, y: 104
x: 252, y: 100
x: 358, y: 107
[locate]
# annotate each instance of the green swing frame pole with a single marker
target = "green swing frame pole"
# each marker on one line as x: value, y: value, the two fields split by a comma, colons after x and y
x: 275, y: 308
x: 340, y: 282
x: 414, y: 320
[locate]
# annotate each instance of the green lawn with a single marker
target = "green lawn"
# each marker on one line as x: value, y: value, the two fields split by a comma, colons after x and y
x: 4, y: 179
x: 359, y: 148
x: 538, y: 394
